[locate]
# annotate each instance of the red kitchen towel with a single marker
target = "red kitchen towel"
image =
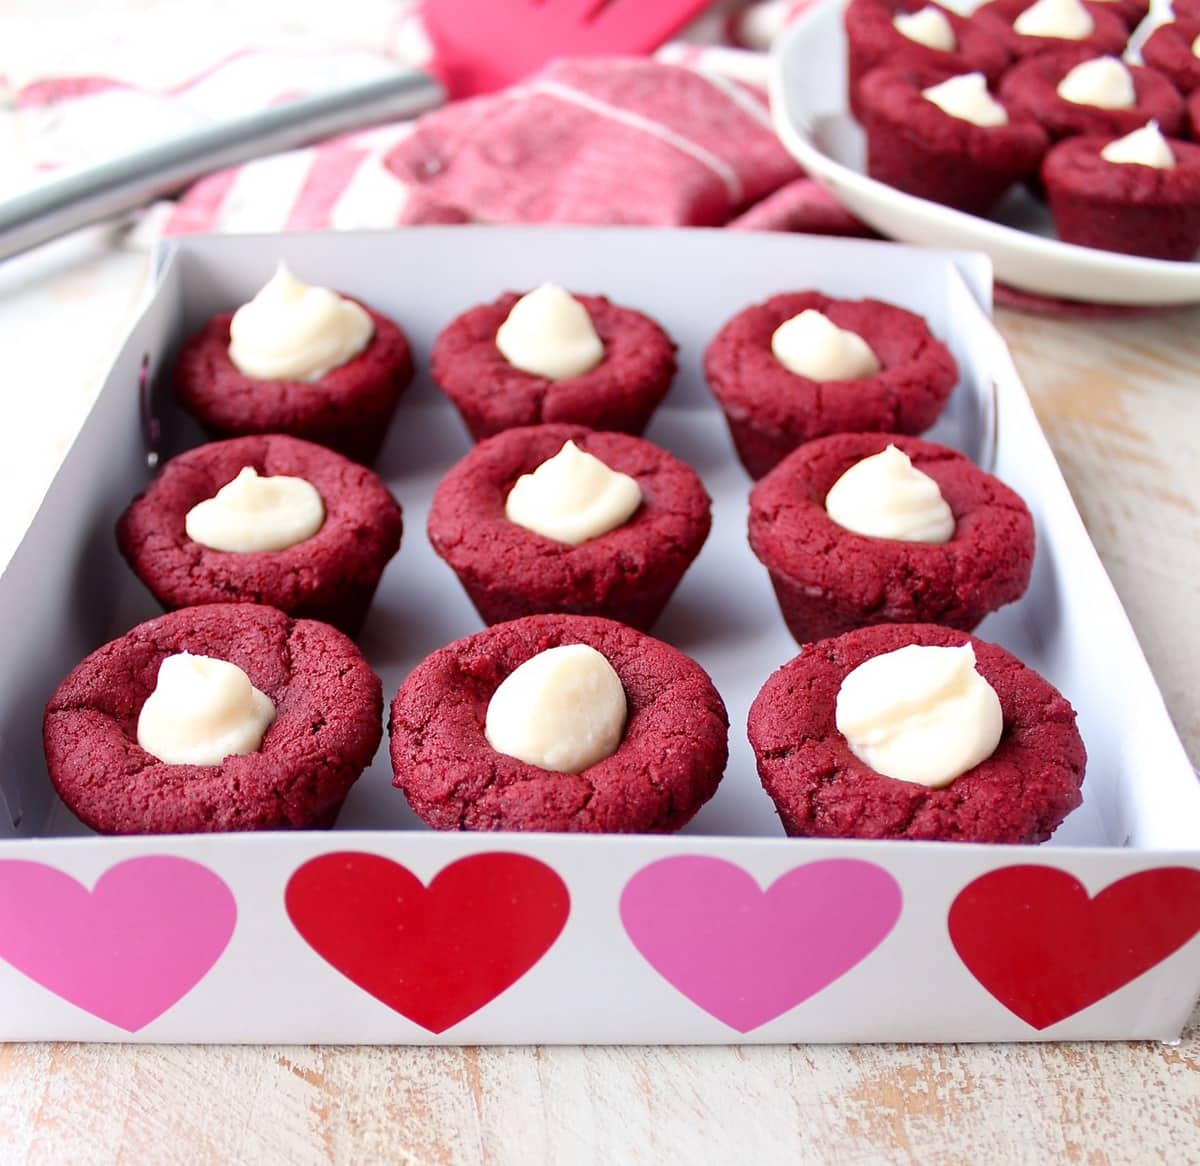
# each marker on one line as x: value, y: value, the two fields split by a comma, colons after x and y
x: 625, y: 140
x: 597, y: 140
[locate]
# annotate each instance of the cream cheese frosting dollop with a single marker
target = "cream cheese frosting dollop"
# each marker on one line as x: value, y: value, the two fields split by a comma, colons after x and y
x: 550, y: 334
x: 811, y: 345
x: 886, y: 496
x: 920, y: 714
x: 966, y: 97
x: 1103, y: 82
x: 572, y: 497
x: 928, y: 27
x: 563, y: 709
x: 201, y: 711
x: 1060, y: 19
x: 253, y: 513
x: 293, y: 332
x: 1144, y: 147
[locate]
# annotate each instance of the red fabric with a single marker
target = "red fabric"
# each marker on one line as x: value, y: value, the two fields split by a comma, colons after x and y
x: 597, y: 141
x: 803, y: 206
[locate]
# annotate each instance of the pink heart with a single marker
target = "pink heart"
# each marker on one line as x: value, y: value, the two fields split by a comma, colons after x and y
x: 746, y: 955
x: 125, y: 951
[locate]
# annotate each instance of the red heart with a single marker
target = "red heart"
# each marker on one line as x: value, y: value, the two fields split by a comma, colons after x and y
x: 1035, y: 940
x: 434, y: 954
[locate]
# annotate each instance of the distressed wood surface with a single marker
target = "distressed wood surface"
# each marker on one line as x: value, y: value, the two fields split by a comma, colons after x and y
x: 930, y: 1105
x: 1121, y: 404
x: 1119, y: 400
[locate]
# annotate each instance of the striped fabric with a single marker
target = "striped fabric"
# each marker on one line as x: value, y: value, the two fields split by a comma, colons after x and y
x: 560, y: 147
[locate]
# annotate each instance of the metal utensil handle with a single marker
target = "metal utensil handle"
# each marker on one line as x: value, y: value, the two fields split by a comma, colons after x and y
x: 111, y: 188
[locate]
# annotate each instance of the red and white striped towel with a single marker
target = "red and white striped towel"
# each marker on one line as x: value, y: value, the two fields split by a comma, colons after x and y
x: 597, y: 140
x: 668, y: 142
x: 591, y: 141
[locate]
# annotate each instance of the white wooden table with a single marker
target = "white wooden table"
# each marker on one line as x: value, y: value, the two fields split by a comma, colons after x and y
x: 1120, y: 401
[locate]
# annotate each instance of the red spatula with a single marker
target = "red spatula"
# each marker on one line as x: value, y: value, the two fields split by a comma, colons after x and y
x: 484, y: 45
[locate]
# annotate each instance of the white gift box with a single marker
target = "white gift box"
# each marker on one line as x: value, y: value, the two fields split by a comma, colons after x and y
x: 381, y: 931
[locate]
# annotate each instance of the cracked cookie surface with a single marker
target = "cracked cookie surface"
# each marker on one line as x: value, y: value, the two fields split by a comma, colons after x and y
x: 770, y: 410
x: 627, y: 574
x: 670, y: 760
x: 1020, y: 794
x: 328, y: 724
x: 330, y: 576
x: 348, y: 409
x: 491, y: 395
x: 829, y: 580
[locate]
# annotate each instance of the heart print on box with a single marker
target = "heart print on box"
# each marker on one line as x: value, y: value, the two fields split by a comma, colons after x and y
x: 747, y: 955
x: 433, y: 954
x: 125, y: 951
x: 1035, y: 939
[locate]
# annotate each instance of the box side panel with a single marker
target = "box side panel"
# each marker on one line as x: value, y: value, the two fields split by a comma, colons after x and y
x: 60, y: 594
x: 1072, y: 627
x: 397, y: 939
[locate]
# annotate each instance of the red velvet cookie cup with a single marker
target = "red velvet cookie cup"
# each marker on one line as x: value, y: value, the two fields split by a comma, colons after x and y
x: 1131, y: 209
x: 348, y: 409
x: 1168, y: 49
x: 829, y: 580
x: 1020, y: 794
x: 1131, y: 12
x: 916, y: 147
x: 331, y: 576
x: 1110, y: 29
x: 627, y: 574
x: 874, y: 41
x: 669, y: 762
x: 770, y: 410
x: 326, y: 730
x: 491, y: 395
x: 1031, y: 87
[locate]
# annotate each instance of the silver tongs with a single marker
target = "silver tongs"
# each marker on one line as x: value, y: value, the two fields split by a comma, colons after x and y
x: 103, y: 191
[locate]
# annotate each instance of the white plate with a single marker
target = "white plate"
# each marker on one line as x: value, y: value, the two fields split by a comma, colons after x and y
x: 808, y: 106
